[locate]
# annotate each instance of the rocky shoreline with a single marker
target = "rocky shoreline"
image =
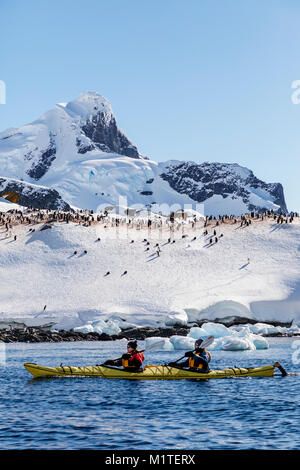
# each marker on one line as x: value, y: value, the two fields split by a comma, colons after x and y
x: 40, y: 335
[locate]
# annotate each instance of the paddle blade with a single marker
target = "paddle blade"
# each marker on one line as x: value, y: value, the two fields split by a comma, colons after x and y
x: 155, y: 346
x: 207, y: 342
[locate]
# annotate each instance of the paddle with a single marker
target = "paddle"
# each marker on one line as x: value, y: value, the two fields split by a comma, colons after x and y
x: 282, y: 370
x: 206, y: 342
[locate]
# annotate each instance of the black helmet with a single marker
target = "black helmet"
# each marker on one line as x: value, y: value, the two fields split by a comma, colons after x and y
x: 132, y: 344
x: 199, y: 342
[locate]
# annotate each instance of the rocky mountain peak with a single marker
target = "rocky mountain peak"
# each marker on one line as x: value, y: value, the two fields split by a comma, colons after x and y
x: 88, y: 104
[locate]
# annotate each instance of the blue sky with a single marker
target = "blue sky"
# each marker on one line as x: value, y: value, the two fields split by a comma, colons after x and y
x: 195, y: 80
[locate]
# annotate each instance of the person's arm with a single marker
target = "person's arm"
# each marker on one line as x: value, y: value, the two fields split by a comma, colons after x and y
x: 118, y: 362
x: 112, y: 362
x: 179, y: 364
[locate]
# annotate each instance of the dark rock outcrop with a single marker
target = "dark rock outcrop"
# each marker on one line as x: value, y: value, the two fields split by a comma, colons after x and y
x: 27, y: 195
x: 202, y: 181
x: 107, y: 137
x: 38, y: 334
x: 42, y: 159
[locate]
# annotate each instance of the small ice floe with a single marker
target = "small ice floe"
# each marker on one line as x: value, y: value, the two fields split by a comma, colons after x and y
x: 123, y: 324
x: 159, y: 344
x: 176, y: 318
x: 238, y: 338
x: 240, y: 341
x: 234, y: 343
x: 263, y: 329
x: 84, y: 329
x: 209, y: 329
x: 183, y: 342
x: 109, y: 327
x: 295, y: 328
x: 98, y: 326
x: 266, y: 329
x: 259, y: 341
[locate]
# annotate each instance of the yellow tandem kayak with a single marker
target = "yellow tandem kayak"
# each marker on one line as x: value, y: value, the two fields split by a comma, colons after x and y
x: 162, y: 372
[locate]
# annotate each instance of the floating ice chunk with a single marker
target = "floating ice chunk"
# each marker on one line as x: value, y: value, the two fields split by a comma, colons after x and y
x: 196, y: 332
x: 123, y: 324
x: 162, y: 344
x: 98, y: 326
x: 259, y: 341
x: 84, y: 329
x: 234, y: 343
x: 210, y: 329
x: 182, y: 342
x: 111, y: 328
x: 239, y: 328
x: 266, y: 329
x: 295, y: 327
x: 177, y: 318
x: 263, y: 329
x: 240, y: 341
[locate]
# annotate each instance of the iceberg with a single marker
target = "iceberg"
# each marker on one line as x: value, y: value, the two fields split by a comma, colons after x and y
x: 162, y: 344
x: 234, y: 343
x: 84, y: 329
x: 177, y: 318
x: 98, y: 326
x: 259, y: 341
x: 111, y: 328
x: 209, y: 329
x: 182, y: 342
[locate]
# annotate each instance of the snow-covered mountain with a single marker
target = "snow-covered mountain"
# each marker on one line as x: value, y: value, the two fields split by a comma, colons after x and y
x: 78, y: 150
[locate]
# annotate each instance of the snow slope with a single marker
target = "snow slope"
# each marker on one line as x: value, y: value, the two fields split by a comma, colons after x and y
x: 189, y: 277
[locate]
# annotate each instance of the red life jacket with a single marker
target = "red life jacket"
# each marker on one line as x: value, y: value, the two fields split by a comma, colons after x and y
x: 136, y: 355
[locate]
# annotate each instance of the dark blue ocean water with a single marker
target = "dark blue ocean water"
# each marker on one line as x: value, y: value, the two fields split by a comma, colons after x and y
x: 94, y: 413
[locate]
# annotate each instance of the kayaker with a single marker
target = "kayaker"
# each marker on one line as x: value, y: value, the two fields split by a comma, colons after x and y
x: 131, y: 361
x: 198, y: 359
